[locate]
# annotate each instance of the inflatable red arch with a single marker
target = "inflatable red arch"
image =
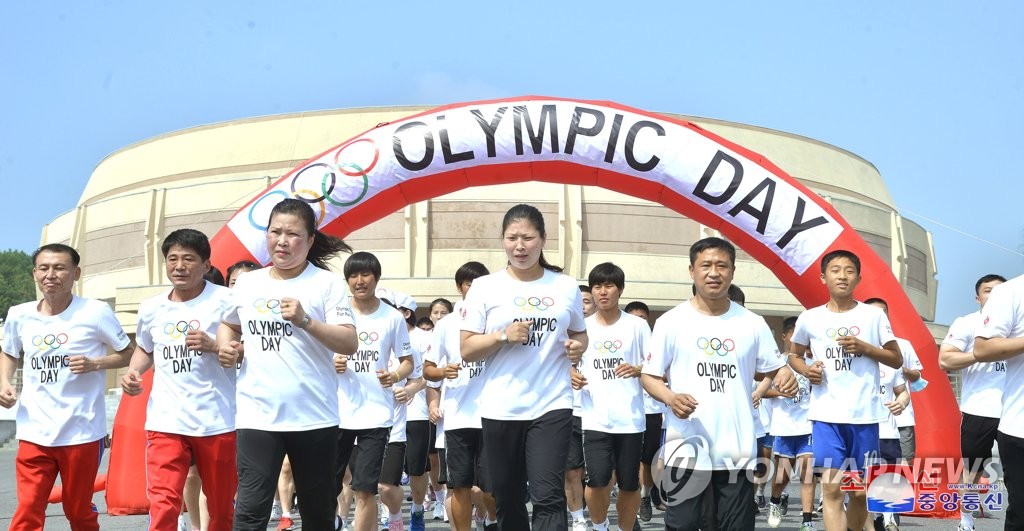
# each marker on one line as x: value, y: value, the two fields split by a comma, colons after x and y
x: 646, y: 155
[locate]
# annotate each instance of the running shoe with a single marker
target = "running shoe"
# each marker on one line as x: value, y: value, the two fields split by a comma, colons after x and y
x: 579, y: 525
x: 395, y: 525
x: 774, y: 515
x: 646, y: 511
x: 416, y: 522
x: 439, y: 513
x: 761, y: 503
x: 807, y: 526
x: 184, y: 524
x: 275, y: 512
x: 784, y: 505
x: 285, y: 524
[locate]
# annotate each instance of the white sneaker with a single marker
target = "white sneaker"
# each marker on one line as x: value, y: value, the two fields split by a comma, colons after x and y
x: 807, y: 526
x: 439, y: 513
x: 579, y: 525
x: 184, y: 524
x: 275, y: 512
x: 774, y: 515
x: 964, y: 527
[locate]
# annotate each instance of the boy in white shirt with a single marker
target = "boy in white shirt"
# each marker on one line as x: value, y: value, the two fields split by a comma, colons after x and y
x: 61, y: 419
x: 1001, y: 338
x: 847, y: 341
x: 982, y: 388
x: 175, y: 335
x: 611, y: 399
x: 711, y: 349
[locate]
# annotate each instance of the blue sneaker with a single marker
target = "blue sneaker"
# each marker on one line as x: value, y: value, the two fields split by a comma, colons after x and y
x: 416, y: 521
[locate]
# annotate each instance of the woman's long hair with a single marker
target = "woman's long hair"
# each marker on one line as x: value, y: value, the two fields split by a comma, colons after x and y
x: 324, y: 247
x: 530, y: 214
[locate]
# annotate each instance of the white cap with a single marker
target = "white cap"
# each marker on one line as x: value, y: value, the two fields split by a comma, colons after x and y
x: 400, y: 299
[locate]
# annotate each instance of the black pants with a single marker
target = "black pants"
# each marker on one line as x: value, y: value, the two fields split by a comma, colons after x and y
x: 1011, y: 452
x: 260, y: 454
x: 529, y: 450
x: 732, y: 500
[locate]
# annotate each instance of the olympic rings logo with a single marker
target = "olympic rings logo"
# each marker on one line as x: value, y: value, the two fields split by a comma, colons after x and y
x: 50, y: 341
x: 534, y: 303
x: 267, y: 305
x: 368, y: 338
x: 317, y: 183
x: 836, y: 333
x: 179, y: 329
x: 716, y: 346
x: 608, y: 347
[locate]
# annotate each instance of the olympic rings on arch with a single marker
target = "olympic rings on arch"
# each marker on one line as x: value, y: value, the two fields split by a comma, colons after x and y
x: 716, y: 346
x: 267, y: 305
x: 256, y: 204
x: 534, y: 303
x: 360, y: 172
x: 368, y: 338
x: 51, y: 341
x: 610, y: 347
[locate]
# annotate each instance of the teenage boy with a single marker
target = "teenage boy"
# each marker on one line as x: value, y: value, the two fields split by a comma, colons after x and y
x: 982, y: 387
x: 1001, y: 338
x: 846, y: 341
x: 654, y: 413
x: 712, y: 349
x: 364, y: 381
x: 462, y: 383
x: 611, y: 400
x: 61, y: 419
x: 175, y: 335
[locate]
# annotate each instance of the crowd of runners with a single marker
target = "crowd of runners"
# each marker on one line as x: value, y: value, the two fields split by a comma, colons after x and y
x: 533, y: 402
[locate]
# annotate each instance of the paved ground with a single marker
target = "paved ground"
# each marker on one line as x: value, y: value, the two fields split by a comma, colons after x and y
x: 55, y: 518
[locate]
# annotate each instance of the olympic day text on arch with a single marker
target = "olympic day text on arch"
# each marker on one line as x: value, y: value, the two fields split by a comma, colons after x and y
x: 687, y: 161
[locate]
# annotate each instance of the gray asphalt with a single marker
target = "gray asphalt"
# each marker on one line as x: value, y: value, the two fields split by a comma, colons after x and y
x: 55, y: 517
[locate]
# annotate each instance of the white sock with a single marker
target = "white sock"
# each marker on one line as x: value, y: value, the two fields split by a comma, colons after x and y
x: 645, y: 492
x: 603, y: 526
x: 967, y: 518
x: 395, y: 517
x: 577, y: 515
x: 488, y: 521
x: 416, y: 507
x: 760, y: 489
x: 439, y: 495
x: 286, y: 514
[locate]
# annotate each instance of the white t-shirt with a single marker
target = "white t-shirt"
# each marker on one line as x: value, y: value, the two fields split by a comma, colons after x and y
x: 398, y: 427
x: 421, y: 341
x: 608, y: 403
x: 982, y: 383
x: 713, y: 359
x: 56, y: 407
x: 789, y: 414
x: 287, y: 380
x: 762, y: 416
x: 525, y: 381
x: 363, y: 401
x: 1003, y: 317
x: 192, y: 394
x: 848, y: 393
x: 910, y: 361
x: 889, y: 379
x: 652, y: 406
x: 460, y: 397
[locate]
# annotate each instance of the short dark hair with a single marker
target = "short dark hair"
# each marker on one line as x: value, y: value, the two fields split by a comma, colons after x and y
x: 584, y: 288
x: 469, y: 272
x: 877, y: 300
x: 840, y: 253
x: 987, y: 278
x: 58, y: 248
x: 189, y: 239
x: 788, y: 324
x: 442, y: 301
x: 736, y: 295
x: 362, y: 262
x: 637, y: 305
x: 712, y: 242
x: 605, y: 273
x: 215, y: 276
x: 247, y: 265
x: 424, y: 321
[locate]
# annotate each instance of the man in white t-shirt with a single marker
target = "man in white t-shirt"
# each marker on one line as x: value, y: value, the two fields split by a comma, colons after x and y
x: 458, y: 402
x: 611, y: 399
x: 654, y: 412
x: 847, y: 340
x: 981, y: 389
x: 61, y: 418
x: 176, y: 337
x: 365, y: 397
x: 711, y: 349
x: 1001, y: 338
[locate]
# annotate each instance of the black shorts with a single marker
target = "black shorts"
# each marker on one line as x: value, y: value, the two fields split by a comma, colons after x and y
x: 442, y: 463
x: 464, y: 455
x: 977, y: 434
x: 575, y: 459
x: 363, y: 452
x: 723, y: 500
x: 889, y: 450
x: 394, y: 459
x: 605, y: 451
x: 432, y: 440
x: 652, y: 438
x: 418, y: 436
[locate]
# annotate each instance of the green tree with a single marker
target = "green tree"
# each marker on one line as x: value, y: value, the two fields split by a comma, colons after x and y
x: 16, y: 284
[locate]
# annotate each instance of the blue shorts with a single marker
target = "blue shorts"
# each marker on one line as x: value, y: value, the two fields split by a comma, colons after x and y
x: 844, y: 446
x: 765, y: 442
x: 792, y: 445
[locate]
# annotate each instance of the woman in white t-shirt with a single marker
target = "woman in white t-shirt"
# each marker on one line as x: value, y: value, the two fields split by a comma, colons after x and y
x: 527, y: 323
x: 291, y: 318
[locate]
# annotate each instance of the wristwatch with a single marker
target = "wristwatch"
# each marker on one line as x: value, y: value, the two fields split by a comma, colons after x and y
x: 305, y: 322
x: 503, y: 338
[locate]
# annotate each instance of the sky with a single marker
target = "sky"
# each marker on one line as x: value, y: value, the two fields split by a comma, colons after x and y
x: 930, y: 92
